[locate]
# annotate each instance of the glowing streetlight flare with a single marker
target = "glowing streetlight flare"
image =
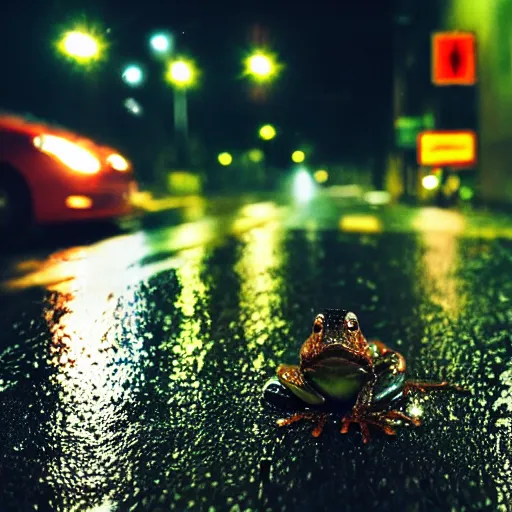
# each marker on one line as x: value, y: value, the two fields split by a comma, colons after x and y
x: 267, y: 132
x: 133, y: 75
x: 225, y: 159
x: 181, y: 73
x: 321, y: 176
x: 298, y: 156
x: 80, y: 44
x: 261, y: 66
x: 160, y: 43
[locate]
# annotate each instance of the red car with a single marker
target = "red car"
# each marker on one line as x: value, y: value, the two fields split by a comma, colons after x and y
x: 49, y: 174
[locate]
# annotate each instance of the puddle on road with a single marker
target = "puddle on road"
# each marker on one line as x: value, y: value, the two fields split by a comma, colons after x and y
x: 117, y: 255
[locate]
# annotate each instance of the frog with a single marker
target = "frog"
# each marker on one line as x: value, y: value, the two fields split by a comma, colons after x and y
x: 339, y: 370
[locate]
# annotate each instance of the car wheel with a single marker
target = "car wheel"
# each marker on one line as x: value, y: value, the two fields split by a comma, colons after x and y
x: 15, y: 204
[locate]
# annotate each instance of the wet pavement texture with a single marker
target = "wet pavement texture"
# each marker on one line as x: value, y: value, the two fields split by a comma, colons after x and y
x: 141, y: 390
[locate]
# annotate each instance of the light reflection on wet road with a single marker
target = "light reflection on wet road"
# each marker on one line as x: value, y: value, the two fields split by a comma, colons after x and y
x: 134, y: 382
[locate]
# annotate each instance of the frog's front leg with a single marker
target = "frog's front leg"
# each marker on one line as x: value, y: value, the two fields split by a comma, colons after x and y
x: 389, y: 367
x: 363, y: 414
x: 380, y: 419
x: 293, y: 379
x: 386, y: 386
x: 387, y: 360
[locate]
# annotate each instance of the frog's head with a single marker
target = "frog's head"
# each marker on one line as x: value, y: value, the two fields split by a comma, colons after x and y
x: 336, y: 340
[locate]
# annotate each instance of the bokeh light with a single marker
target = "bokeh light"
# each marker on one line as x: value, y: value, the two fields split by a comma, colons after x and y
x: 466, y: 193
x: 118, y: 162
x: 81, y: 45
x: 298, y: 156
x: 303, y: 186
x: 267, y: 132
x: 225, y: 159
x: 256, y: 155
x: 133, y: 75
x: 182, y: 73
x: 133, y: 106
x: 430, y: 182
x: 262, y: 66
x: 161, y: 42
x: 321, y: 176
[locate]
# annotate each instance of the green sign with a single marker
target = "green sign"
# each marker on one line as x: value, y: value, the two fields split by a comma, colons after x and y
x: 408, y: 128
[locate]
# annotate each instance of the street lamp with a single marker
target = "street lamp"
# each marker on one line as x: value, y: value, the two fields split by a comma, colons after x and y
x: 298, y: 156
x: 321, y: 176
x: 80, y: 45
x: 161, y: 43
x: 181, y: 74
x: 261, y: 66
x: 133, y: 75
x: 267, y: 132
x: 225, y: 159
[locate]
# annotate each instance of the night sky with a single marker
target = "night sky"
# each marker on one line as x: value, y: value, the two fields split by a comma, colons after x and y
x: 334, y: 92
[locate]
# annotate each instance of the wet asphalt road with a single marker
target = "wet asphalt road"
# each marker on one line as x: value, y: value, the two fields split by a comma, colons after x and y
x: 131, y: 368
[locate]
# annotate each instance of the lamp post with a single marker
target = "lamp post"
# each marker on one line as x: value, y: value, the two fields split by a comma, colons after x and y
x: 161, y: 43
x: 182, y: 75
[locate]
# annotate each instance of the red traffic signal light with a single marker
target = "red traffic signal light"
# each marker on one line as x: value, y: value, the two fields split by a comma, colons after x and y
x: 454, y: 58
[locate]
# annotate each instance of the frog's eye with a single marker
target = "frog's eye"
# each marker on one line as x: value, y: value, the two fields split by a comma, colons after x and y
x: 318, y: 325
x: 352, y: 324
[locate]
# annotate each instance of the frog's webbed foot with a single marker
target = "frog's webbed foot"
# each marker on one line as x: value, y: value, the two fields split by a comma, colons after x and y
x: 318, y: 417
x: 385, y: 420
x: 424, y: 387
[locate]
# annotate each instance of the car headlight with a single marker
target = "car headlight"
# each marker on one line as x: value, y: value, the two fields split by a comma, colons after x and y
x: 118, y: 162
x: 70, y: 154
